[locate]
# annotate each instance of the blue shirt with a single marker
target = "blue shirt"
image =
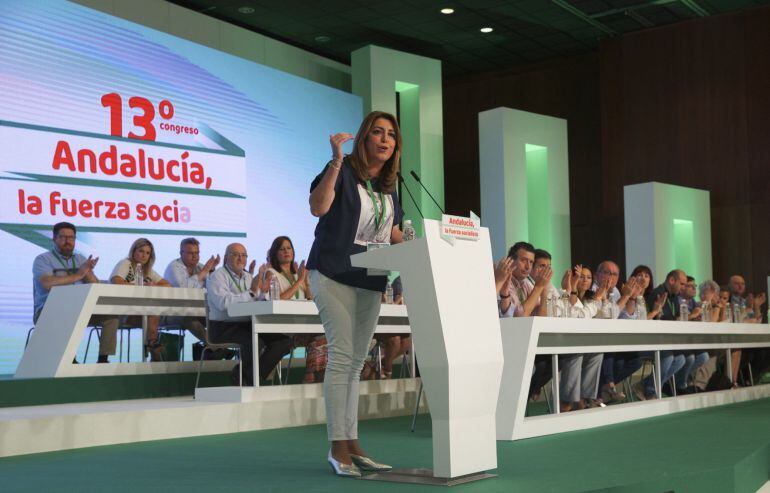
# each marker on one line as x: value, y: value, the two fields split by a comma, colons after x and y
x: 347, y: 227
x: 52, y: 263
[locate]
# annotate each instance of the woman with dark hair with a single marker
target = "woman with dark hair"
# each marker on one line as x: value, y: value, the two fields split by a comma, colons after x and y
x: 293, y: 284
x: 292, y: 280
x: 670, y: 362
x: 355, y: 201
x: 141, y: 255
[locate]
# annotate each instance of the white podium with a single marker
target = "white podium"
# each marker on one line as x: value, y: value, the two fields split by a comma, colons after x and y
x: 450, y: 297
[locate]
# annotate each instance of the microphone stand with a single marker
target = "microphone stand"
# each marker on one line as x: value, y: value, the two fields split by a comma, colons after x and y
x: 414, y: 175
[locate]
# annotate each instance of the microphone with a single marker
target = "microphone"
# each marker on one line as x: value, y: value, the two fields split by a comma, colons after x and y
x: 401, y: 180
x: 414, y: 175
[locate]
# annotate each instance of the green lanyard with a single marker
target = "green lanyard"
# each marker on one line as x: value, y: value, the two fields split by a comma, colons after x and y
x: 671, y: 306
x: 236, y: 283
x: 63, y: 264
x: 377, y: 210
x: 520, y: 294
x: 291, y: 281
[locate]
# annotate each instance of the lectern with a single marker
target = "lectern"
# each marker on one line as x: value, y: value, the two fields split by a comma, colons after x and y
x: 451, y: 301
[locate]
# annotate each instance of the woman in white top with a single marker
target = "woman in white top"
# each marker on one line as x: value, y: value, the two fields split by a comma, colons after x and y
x: 293, y: 283
x: 125, y: 272
x: 292, y: 280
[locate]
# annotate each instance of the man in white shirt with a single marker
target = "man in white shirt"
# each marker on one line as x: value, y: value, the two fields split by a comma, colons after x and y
x: 188, y: 272
x: 233, y: 284
x: 609, y: 272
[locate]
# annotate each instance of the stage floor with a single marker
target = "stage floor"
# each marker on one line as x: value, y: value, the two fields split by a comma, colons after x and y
x: 720, y: 450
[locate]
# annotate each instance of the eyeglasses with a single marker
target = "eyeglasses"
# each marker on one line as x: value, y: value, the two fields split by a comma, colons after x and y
x: 239, y: 255
x: 65, y: 237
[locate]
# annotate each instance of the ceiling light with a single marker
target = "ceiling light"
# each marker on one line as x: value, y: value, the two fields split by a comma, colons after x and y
x: 322, y: 39
x: 246, y: 10
x: 447, y: 11
x: 486, y: 30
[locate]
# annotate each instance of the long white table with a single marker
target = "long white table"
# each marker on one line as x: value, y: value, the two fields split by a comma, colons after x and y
x: 68, y: 309
x: 301, y: 317
x: 524, y: 338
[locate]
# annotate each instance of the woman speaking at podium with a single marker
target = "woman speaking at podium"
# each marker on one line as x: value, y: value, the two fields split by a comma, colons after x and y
x: 355, y: 201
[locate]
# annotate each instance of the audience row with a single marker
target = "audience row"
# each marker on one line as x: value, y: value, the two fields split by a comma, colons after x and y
x: 524, y: 287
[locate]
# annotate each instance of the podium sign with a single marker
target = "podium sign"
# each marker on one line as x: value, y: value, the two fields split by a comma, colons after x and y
x: 450, y: 298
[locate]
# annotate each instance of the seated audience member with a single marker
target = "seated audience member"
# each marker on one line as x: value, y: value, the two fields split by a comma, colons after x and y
x: 292, y: 280
x: 577, y: 282
x: 520, y: 296
x: 708, y: 292
x: 188, y: 272
x: 580, y: 373
x: 725, y: 297
x: 608, y: 273
x: 692, y: 359
x: 750, y: 313
x: 233, y: 284
x: 293, y: 284
x: 543, y: 260
x: 687, y: 296
x: 670, y: 363
x: 395, y: 344
x: 142, y: 253
x: 751, y: 305
x: 617, y: 367
x: 643, y: 276
x: 63, y: 266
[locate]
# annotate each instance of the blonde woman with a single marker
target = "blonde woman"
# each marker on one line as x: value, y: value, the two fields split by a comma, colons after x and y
x: 125, y: 272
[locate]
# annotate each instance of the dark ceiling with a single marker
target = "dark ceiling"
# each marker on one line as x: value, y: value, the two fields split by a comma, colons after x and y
x: 524, y: 31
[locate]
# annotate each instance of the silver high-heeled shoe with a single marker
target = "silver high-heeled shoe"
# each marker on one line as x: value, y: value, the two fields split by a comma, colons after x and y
x: 367, y: 464
x: 345, y: 470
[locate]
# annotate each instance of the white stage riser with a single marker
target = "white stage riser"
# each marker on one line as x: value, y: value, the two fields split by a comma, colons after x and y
x: 29, y: 430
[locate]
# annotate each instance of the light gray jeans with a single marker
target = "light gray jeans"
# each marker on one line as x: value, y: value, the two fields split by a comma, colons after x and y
x: 349, y: 316
x: 579, y: 376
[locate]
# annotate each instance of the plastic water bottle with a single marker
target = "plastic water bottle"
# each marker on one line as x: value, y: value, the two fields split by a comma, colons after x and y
x: 736, y: 313
x: 551, y: 306
x: 606, y: 309
x: 728, y: 314
x: 641, y: 308
x: 742, y: 313
x: 275, y: 290
x: 684, y: 312
x: 705, y: 312
x: 409, y: 233
x: 389, y: 294
x: 566, y: 307
x: 138, y: 275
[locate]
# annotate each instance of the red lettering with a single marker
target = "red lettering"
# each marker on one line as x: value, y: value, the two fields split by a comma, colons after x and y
x: 63, y: 156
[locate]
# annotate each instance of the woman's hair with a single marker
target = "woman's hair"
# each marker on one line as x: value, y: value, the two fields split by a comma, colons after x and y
x: 359, y: 162
x: 272, y: 254
x: 139, y: 243
x: 643, y: 268
x: 589, y: 293
x: 706, y: 285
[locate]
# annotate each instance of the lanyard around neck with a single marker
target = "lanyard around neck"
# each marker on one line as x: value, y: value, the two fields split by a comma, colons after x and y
x: 291, y: 281
x: 379, y: 212
x: 237, y: 283
x: 671, y: 306
x: 61, y: 261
